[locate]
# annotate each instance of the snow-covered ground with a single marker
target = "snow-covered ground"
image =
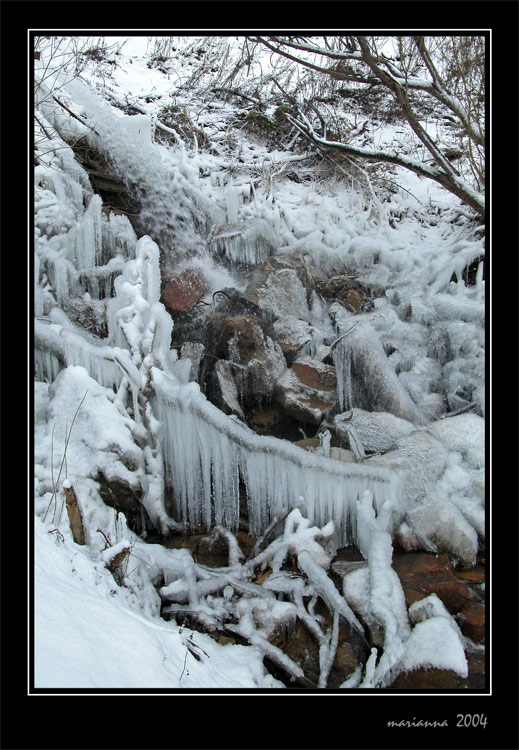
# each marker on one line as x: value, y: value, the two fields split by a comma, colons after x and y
x: 90, y: 632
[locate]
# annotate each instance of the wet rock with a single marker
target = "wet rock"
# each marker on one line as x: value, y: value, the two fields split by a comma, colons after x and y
x: 471, y: 619
x: 423, y: 574
x: 230, y: 303
x: 181, y: 292
x: 315, y: 375
x: 307, y: 390
x: 427, y: 679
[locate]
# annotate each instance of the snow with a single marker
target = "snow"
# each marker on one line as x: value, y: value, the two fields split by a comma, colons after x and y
x: 86, y: 638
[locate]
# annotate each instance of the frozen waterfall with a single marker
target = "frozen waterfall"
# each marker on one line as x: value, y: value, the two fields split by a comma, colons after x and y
x: 207, y: 454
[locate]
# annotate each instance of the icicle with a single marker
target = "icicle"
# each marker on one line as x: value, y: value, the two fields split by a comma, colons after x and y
x: 98, y: 361
x: 46, y: 366
x: 342, y: 359
x: 232, y: 195
x: 206, y: 453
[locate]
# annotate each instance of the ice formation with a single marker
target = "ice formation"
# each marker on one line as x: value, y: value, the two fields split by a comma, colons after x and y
x: 207, y: 453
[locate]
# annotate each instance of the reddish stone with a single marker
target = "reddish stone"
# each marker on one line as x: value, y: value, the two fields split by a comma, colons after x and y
x: 185, y: 290
x: 475, y: 574
x: 422, y: 574
x: 471, y: 620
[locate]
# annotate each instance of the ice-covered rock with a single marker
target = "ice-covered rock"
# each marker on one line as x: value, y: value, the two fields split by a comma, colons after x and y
x: 225, y: 392
x: 445, y: 526
x: 307, y: 390
x: 420, y: 460
x: 341, y: 454
x: 280, y: 292
x: 365, y: 377
x: 243, y: 340
x: 465, y: 434
x: 248, y: 243
x: 194, y: 351
x: 291, y: 334
x: 378, y: 431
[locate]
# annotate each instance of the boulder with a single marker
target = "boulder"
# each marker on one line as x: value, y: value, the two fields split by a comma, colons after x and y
x: 224, y: 391
x: 423, y: 574
x: 378, y: 431
x: 243, y: 341
x: 307, y: 391
x: 182, y: 291
x: 281, y: 292
x: 291, y: 334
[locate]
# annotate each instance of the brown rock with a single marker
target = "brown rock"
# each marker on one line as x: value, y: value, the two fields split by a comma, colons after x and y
x: 471, y: 620
x: 422, y: 574
x: 432, y: 678
x: 315, y: 375
x: 181, y: 292
x: 475, y: 574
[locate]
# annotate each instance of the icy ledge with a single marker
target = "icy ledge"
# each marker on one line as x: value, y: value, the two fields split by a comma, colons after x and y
x: 206, y: 454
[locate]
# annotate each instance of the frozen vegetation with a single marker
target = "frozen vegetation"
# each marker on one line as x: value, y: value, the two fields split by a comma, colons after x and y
x: 123, y: 425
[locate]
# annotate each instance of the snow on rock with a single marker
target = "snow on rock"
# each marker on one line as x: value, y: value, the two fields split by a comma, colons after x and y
x: 434, y: 643
x: 465, y: 434
x: 100, y: 440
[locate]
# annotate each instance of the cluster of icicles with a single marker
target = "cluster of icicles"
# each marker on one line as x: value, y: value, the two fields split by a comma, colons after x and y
x: 209, y: 458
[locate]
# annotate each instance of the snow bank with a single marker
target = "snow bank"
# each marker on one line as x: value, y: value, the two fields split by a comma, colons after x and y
x: 86, y: 637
